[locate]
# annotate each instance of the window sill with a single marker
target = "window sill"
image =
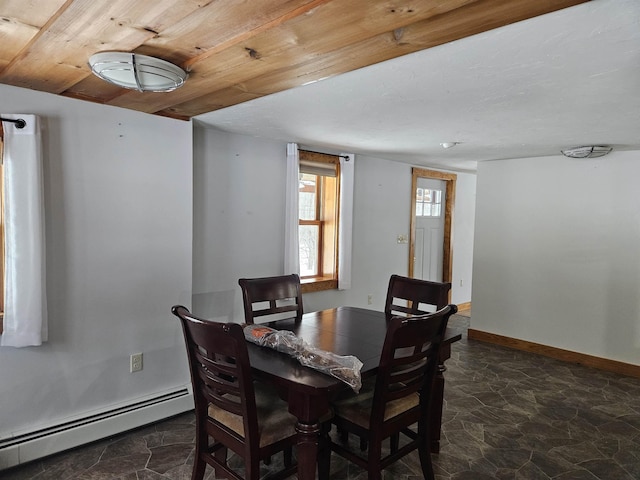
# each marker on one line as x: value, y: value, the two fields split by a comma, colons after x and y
x: 318, y: 285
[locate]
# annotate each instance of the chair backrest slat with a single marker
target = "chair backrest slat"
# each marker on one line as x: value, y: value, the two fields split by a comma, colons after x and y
x: 281, y: 294
x: 408, y: 296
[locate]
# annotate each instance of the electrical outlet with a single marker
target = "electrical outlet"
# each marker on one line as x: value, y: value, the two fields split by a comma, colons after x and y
x: 369, y: 299
x: 135, y: 364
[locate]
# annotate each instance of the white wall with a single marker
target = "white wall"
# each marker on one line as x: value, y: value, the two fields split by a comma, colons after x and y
x: 118, y: 189
x: 557, y: 253
x: 239, y: 224
x: 463, y: 237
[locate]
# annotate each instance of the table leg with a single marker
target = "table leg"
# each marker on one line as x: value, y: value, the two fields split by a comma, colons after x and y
x: 307, y: 450
x: 310, y: 411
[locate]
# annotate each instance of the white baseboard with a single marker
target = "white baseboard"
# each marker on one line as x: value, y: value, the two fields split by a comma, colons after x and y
x: 22, y: 447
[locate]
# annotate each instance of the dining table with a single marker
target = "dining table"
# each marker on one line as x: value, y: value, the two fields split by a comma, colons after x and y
x: 344, y: 331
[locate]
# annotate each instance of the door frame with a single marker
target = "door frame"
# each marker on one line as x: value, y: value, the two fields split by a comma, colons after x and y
x: 449, y: 202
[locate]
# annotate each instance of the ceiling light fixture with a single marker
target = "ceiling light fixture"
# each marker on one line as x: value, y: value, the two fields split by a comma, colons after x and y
x: 591, y: 151
x: 449, y: 144
x: 137, y: 72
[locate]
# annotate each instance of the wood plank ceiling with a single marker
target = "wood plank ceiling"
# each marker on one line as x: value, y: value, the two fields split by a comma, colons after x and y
x: 234, y: 50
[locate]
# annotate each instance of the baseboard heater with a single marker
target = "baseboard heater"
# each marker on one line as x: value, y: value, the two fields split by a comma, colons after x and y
x: 25, y: 447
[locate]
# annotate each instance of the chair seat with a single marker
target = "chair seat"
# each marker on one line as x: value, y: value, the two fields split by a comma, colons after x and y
x: 275, y: 423
x: 357, y: 408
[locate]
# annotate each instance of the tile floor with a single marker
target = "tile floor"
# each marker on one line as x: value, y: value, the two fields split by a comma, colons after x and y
x: 508, y: 415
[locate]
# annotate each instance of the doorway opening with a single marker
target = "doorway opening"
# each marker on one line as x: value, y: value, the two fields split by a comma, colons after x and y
x: 424, y: 197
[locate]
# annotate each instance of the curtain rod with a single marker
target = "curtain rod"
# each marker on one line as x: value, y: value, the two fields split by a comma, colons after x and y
x: 20, y: 123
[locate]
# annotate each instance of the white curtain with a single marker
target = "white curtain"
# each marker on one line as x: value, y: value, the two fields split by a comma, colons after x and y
x: 25, y: 306
x: 345, y: 227
x: 291, y: 250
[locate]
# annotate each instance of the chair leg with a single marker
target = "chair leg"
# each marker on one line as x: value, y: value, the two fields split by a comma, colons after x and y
x: 343, y: 435
x: 425, y: 463
x: 221, y: 456
x: 374, y: 474
x: 288, y: 457
x: 199, y: 466
x: 395, y: 442
x: 363, y: 444
x: 424, y: 451
x: 374, y: 470
x: 252, y: 470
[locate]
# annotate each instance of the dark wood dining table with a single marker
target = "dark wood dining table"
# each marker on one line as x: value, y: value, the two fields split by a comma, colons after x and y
x: 344, y: 331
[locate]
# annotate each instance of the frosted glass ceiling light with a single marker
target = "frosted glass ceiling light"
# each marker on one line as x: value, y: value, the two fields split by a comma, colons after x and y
x: 137, y: 72
x: 591, y: 151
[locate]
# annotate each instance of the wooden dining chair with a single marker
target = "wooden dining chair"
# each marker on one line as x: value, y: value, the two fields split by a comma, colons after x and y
x: 271, y: 297
x: 232, y: 411
x: 411, y: 296
x: 396, y: 400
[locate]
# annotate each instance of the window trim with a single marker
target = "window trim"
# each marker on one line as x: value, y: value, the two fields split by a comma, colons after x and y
x: 318, y: 285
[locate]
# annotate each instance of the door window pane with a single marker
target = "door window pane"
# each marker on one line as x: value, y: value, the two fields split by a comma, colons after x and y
x: 428, y: 202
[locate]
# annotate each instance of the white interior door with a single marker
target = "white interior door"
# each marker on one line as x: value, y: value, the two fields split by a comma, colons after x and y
x: 429, y: 221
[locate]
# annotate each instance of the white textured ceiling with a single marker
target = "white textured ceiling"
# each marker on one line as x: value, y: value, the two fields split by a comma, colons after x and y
x: 564, y: 79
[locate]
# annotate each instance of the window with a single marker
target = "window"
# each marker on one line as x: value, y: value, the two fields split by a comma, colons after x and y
x: 428, y: 202
x: 318, y: 196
